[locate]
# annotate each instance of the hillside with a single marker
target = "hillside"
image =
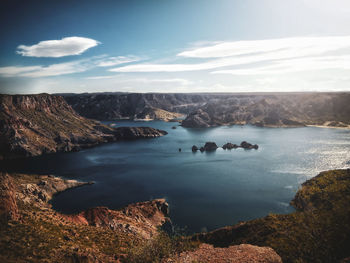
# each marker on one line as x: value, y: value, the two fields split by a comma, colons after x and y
x: 30, y: 231
x: 319, y: 230
x: 210, y: 109
x: 281, y: 110
x: 32, y: 125
x: 111, y: 106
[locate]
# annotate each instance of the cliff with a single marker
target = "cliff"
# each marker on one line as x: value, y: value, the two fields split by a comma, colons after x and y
x: 210, y: 109
x: 32, y: 125
x: 31, y: 231
x: 319, y: 231
x: 279, y: 110
x: 112, y: 106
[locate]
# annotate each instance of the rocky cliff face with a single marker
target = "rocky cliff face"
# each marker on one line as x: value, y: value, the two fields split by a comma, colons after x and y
x: 206, y: 110
x: 111, y: 106
x: 140, y: 219
x: 281, y: 110
x: 32, y: 125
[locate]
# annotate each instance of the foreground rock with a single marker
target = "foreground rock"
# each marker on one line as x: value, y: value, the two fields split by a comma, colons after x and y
x: 141, y: 219
x: 234, y: 254
x: 32, y: 232
x: 32, y: 125
x: 8, y: 204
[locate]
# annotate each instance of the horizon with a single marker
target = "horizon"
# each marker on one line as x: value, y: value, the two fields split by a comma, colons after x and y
x: 143, y: 47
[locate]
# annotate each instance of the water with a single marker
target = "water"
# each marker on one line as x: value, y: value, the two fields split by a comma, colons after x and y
x: 204, y: 190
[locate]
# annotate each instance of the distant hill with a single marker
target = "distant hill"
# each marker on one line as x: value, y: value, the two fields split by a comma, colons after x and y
x: 214, y: 109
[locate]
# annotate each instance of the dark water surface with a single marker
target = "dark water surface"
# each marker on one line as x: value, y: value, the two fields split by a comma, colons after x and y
x: 204, y: 190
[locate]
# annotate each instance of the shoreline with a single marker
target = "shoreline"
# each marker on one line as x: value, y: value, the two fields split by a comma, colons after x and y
x: 330, y: 127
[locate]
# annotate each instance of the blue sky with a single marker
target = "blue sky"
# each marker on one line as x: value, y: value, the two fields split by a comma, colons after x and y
x: 174, y: 46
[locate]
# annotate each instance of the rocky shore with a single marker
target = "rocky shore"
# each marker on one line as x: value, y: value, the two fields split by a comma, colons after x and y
x: 56, y: 237
x: 31, y: 231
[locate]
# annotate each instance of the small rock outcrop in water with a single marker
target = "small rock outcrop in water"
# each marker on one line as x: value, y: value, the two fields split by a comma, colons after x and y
x: 247, y: 145
x: 229, y: 146
x: 32, y: 125
x: 233, y: 254
x: 208, y: 147
x: 194, y: 148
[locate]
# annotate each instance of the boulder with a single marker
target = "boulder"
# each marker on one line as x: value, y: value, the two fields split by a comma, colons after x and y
x: 210, y: 146
x: 229, y: 146
x: 194, y: 148
x: 247, y: 145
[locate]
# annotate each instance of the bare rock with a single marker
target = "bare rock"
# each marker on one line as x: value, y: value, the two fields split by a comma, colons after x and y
x: 229, y: 146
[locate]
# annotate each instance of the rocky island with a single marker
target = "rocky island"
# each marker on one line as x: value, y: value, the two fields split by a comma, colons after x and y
x: 211, y: 146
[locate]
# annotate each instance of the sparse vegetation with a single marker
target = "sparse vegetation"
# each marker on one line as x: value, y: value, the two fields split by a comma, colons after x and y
x: 319, y: 231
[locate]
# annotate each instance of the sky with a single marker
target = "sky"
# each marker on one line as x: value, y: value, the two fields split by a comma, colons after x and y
x: 174, y: 46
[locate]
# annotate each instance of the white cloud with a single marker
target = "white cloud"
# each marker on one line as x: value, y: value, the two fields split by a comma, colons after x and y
x: 17, y: 70
x: 294, y: 65
x: 238, y: 53
x: 47, y: 71
x: 99, y: 77
x: 67, y: 46
x: 179, y: 81
x: 58, y: 68
x: 113, y: 61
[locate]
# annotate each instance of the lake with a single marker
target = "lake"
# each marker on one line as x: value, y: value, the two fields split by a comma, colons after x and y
x: 204, y: 190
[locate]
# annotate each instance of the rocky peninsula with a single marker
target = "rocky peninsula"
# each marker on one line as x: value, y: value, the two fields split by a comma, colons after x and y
x: 32, y: 125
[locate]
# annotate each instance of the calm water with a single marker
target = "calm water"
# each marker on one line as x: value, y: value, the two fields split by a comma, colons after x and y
x: 204, y: 190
